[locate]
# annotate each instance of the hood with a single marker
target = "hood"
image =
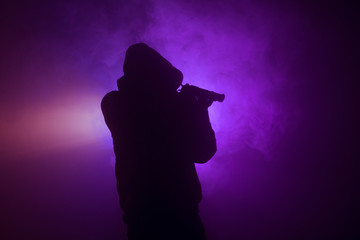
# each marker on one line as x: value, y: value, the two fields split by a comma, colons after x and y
x: 147, y: 67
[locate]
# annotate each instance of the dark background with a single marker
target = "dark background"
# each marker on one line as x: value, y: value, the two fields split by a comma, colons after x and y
x: 288, y: 131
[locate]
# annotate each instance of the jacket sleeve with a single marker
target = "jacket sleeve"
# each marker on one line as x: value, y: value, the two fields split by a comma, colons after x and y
x: 201, y: 137
x: 110, y: 110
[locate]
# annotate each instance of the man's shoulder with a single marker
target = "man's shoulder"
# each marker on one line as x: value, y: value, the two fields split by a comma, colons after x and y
x: 109, y: 99
x: 112, y: 94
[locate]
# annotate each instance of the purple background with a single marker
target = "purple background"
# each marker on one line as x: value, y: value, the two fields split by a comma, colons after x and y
x: 287, y: 132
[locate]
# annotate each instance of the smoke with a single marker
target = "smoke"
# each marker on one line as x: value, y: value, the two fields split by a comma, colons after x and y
x: 240, y: 49
x: 286, y: 69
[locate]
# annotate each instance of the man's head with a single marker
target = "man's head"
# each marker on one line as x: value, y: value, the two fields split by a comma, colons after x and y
x: 148, y: 68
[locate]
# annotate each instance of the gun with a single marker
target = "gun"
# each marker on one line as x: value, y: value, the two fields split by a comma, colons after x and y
x: 202, y: 93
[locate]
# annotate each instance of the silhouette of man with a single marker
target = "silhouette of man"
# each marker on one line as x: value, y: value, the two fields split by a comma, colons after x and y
x: 158, y: 135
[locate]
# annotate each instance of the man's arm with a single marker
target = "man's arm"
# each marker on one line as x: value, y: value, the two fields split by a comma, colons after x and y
x: 110, y: 110
x: 201, y: 137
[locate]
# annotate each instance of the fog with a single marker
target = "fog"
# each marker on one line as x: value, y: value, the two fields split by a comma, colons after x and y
x: 286, y: 132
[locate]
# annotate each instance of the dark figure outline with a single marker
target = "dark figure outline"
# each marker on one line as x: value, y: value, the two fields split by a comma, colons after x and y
x: 158, y: 134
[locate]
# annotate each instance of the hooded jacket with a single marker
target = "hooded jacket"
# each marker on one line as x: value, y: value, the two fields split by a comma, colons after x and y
x: 158, y: 135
